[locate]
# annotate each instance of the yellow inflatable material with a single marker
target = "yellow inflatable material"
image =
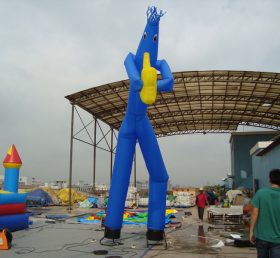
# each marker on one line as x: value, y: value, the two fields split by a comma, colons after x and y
x: 63, y: 196
x: 4, y: 192
x: 125, y: 216
x: 167, y: 212
x: 148, y: 93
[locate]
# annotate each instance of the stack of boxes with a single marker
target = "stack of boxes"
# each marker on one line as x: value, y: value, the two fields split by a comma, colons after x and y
x: 132, y: 198
x: 13, y: 214
x: 184, y: 200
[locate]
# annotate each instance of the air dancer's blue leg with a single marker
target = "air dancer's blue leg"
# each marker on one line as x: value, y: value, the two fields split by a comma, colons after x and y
x: 120, y: 182
x: 158, y: 179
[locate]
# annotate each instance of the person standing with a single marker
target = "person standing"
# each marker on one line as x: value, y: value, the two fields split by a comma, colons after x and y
x: 201, y: 201
x: 265, y: 218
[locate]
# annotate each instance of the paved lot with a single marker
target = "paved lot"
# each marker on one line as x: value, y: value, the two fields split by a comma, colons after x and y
x: 69, y: 239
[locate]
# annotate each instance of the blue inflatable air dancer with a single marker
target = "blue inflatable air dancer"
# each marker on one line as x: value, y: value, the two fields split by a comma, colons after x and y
x: 141, y: 69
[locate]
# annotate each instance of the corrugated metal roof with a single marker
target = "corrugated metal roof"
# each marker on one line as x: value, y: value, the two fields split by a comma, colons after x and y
x: 271, y: 146
x: 202, y: 101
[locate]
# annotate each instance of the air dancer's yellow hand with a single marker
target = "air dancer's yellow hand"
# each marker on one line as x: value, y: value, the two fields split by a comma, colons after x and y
x: 148, y: 93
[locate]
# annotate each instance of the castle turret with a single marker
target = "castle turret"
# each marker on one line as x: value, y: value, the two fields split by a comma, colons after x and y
x: 12, y: 164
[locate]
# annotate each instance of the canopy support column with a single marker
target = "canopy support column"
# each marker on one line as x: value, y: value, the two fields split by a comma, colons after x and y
x: 71, y: 160
x: 112, y: 151
x: 135, y: 169
x: 94, y: 156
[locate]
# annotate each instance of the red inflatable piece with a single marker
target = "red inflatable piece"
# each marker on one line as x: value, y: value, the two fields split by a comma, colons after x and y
x: 17, y: 208
x: 12, y: 159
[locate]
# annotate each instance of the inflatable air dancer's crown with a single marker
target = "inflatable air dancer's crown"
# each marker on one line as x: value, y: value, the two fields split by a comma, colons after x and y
x: 12, y: 164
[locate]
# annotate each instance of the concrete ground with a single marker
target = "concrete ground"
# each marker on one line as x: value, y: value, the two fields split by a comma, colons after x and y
x: 70, y: 239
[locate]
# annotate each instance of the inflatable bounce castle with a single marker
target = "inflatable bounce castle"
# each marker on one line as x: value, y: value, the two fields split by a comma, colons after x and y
x: 13, y: 214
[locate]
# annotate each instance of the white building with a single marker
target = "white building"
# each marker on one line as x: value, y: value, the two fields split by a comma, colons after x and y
x: 58, y: 184
x: 101, y: 187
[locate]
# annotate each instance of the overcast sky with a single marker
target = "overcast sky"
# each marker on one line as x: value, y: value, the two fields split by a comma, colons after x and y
x: 50, y: 49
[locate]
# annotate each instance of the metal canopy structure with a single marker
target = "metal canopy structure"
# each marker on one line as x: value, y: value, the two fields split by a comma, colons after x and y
x: 201, y: 102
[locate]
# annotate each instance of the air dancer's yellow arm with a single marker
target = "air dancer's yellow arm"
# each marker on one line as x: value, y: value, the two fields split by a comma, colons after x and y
x: 148, y: 93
